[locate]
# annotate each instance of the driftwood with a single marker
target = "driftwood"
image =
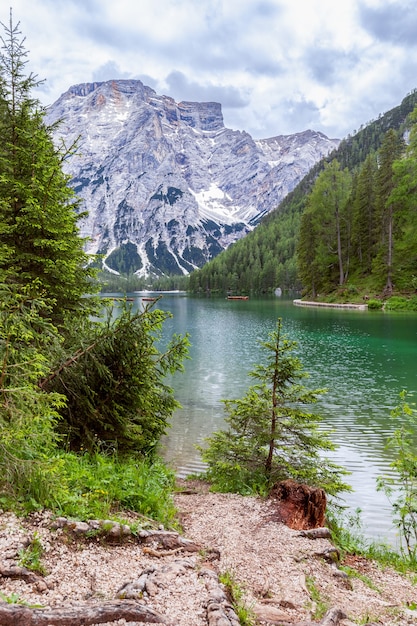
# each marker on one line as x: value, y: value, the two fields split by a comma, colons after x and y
x: 18, y: 615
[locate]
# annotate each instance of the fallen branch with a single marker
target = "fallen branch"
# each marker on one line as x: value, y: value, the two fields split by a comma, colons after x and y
x: 18, y: 615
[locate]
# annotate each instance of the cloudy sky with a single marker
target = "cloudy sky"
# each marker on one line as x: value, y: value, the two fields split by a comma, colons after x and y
x: 276, y: 66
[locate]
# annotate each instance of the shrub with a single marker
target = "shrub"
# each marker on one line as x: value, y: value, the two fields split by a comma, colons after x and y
x: 375, y: 305
x: 401, y: 490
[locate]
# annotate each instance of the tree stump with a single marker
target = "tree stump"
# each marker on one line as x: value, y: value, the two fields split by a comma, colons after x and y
x: 299, y: 506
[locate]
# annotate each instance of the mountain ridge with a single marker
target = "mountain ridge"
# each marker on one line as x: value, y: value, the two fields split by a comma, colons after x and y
x: 166, y: 185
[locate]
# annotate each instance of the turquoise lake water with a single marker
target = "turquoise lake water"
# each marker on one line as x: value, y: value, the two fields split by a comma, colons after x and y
x: 363, y: 358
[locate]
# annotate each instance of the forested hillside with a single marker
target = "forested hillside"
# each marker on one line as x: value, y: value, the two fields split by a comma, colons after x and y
x: 268, y: 257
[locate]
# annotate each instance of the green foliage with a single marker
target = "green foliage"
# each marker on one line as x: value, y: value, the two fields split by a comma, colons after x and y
x: 125, y: 259
x: 371, y: 236
x: 323, y: 249
x: 41, y: 247
x: 402, y: 489
x: 375, y: 305
x: 348, y: 537
x: 92, y: 486
x: 96, y: 486
x: 320, y: 604
x: 347, y: 533
x: 398, y: 303
x: 114, y: 384
x: 270, y: 436
x: 28, y: 415
x: 58, y: 364
x: 244, y: 613
x: 30, y: 556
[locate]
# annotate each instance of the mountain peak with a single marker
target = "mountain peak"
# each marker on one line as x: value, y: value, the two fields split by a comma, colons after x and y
x: 165, y: 184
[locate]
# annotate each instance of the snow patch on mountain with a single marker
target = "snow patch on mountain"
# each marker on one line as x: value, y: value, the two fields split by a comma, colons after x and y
x: 165, y: 184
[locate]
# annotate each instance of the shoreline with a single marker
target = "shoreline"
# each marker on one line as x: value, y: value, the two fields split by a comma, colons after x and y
x: 331, y: 305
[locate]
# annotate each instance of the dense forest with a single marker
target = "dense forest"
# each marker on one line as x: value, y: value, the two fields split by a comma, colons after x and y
x: 349, y: 223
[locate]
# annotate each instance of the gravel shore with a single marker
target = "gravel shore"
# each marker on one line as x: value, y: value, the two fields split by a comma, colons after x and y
x: 274, y: 566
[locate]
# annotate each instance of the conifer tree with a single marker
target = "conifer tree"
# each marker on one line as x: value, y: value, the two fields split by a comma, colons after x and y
x: 41, y: 247
x: 404, y: 197
x: 329, y: 225
x: 391, y: 149
x: 307, y: 261
x: 364, y: 210
x: 270, y: 436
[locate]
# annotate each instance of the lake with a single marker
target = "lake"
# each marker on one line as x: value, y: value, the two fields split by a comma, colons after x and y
x: 363, y: 358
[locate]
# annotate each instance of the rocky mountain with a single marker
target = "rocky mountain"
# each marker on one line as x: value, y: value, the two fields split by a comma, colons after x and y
x: 165, y: 184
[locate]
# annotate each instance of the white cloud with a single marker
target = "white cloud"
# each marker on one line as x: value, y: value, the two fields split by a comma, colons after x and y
x: 276, y: 66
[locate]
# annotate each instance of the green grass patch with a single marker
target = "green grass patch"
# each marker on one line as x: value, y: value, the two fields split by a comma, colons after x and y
x: 99, y: 485
x: 92, y: 486
x: 245, y: 614
x: 348, y: 537
x: 353, y: 573
x: 319, y: 605
x: 31, y: 556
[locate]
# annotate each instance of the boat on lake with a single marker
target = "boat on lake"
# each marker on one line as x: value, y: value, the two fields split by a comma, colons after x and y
x: 238, y: 297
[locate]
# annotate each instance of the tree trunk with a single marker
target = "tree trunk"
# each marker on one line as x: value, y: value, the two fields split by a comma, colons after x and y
x: 388, y: 287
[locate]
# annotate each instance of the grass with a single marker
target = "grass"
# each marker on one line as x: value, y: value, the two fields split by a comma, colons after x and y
x: 245, y: 614
x: 399, y: 303
x: 94, y: 486
x: 321, y: 606
x: 348, y: 537
x: 353, y: 573
x: 14, y: 598
x: 30, y: 557
x: 100, y: 485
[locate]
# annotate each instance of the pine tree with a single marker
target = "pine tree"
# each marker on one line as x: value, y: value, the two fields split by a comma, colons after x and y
x: 41, y: 247
x: 307, y: 262
x: 391, y: 149
x: 328, y: 219
x: 404, y: 197
x: 114, y: 386
x: 270, y: 437
x: 364, y: 209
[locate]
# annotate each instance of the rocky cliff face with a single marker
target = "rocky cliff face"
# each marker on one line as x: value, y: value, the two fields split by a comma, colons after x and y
x: 165, y: 184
